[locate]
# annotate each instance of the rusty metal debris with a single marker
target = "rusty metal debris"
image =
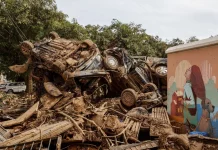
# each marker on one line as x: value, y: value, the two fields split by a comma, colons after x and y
x: 88, y: 99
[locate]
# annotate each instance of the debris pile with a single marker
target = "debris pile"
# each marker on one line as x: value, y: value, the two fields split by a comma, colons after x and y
x: 86, y: 99
x: 12, y: 105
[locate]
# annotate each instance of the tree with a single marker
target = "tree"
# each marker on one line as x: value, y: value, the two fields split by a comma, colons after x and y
x: 175, y: 42
x: 22, y: 20
x: 129, y: 36
x: 159, y: 46
x: 192, y: 39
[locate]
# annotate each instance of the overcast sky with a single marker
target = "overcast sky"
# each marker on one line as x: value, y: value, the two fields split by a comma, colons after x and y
x: 166, y: 18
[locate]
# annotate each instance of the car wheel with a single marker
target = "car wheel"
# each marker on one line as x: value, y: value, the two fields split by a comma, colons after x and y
x: 161, y: 70
x: 53, y: 35
x: 10, y: 91
x: 128, y: 98
x: 88, y: 42
x: 111, y: 62
x: 26, y: 47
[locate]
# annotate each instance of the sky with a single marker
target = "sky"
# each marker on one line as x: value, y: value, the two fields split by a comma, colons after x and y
x: 167, y: 19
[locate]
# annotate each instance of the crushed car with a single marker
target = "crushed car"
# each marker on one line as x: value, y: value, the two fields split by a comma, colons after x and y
x: 158, y: 68
x: 158, y: 65
x: 130, y: 79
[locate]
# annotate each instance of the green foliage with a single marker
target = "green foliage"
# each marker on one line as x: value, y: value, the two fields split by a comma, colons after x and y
x: 175, y: 42
x: 36, y: 18
x: 192, y: 39
x: 129, y: 36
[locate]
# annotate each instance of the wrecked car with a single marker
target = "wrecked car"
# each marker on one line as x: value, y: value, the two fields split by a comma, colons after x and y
x: 158, y: 65
x: 158, y: 68
x: 69, y: 65
x: 129, y: 78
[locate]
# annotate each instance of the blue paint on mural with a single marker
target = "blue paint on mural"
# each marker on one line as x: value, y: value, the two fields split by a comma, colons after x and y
x: 213, y: 121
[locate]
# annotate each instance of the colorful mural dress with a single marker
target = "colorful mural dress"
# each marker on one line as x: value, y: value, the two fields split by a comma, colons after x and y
x: 189, y: 104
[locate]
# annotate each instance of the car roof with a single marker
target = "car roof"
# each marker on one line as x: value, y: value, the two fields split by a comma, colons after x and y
x: 14, y: 82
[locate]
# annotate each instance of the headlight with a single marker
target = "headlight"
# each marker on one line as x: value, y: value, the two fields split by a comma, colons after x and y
x: 111, y: 62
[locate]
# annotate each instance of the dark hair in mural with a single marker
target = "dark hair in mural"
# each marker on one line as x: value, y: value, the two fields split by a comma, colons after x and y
x: 197, y: 82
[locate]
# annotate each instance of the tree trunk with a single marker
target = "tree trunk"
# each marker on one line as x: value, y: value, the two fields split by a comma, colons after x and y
x: 29, y: 81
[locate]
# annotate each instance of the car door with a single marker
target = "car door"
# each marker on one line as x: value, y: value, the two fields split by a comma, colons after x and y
x: 22, y: 87
x: 18, y: 87
x: 9, y: 87
x: 15, y: 87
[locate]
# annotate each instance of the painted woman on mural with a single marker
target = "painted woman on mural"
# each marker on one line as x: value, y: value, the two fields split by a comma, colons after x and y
x: 194, y: 90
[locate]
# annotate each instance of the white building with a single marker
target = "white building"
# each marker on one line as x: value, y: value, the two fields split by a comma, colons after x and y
x: 2, y: 78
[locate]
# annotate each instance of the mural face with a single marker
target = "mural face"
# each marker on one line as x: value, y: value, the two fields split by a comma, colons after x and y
x: 193, y: 96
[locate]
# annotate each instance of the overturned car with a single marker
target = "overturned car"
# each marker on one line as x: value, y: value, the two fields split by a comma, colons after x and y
x: 60, y: 65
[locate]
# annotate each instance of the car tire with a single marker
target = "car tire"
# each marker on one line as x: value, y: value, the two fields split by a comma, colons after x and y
x: 10, y: 91
x: 111, y: 62
x: 26, y: 47
x: 53, y: 35
x: 128, y: 98
x: 161, y: 70
x: 88, y: 42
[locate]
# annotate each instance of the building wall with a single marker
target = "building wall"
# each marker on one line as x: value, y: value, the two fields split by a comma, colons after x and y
x: 193, y: 88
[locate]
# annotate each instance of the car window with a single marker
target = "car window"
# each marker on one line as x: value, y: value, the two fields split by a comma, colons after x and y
x: 11, y: 84
x: 17, y: 84
x: 21, y: 83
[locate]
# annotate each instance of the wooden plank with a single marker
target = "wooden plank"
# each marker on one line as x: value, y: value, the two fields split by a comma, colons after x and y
x: 138, y: 127
x: 49, y: 101
x: 137, y: 146
x: 21, y: 118
x: 4, y: 134
x: 130, y: 124
x: 126, y: 121
x: 133, y: 126
x: 159, y: 113
x: 62, y: 102
x: 52, y: 89
x: 42, y: 132
x: 59, y: 141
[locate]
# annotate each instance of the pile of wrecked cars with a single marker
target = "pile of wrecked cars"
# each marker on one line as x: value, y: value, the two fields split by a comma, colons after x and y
x: 88, y: 99
x: 80, y: 68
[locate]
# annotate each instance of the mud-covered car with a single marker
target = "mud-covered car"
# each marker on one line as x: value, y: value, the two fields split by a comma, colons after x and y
x: 158, y: 68
x: 158, y: 65
x: 130, y: 78
x: 61, y: 65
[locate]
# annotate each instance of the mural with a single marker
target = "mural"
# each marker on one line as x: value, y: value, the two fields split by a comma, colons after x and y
x: 192, y: 96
